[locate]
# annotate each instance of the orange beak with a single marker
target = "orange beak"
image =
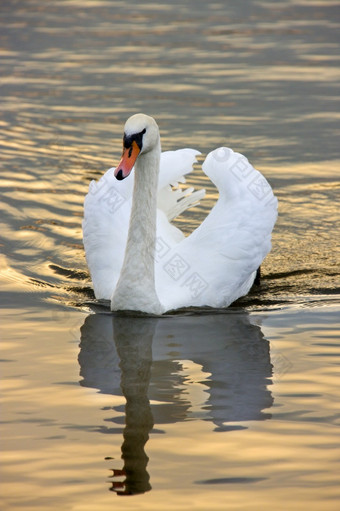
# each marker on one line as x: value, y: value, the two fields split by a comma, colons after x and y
x: 128, y: 160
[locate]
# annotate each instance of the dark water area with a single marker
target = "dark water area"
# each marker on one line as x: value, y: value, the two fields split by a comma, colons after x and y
x: 234, y: 409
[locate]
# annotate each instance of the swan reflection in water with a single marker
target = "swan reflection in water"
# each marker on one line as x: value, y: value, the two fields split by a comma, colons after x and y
x: 158, y: 359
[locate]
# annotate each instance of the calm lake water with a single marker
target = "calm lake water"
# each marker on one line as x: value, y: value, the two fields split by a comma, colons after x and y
x: 226, y: 410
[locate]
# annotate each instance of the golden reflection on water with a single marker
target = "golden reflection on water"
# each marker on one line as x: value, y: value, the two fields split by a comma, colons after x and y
x: 225, y: 427
x: 212, y: 426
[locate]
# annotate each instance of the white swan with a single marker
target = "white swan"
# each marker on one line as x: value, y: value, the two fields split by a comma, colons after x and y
x: 140, y: 261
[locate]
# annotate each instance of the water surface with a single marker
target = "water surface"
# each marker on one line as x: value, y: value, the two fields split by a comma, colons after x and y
x: 233, y: 409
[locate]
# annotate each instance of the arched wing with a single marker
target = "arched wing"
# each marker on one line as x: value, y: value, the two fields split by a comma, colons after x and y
x: 217, y: 263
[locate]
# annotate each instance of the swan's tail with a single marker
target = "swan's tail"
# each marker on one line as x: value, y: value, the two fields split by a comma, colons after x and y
x: 173, y: 200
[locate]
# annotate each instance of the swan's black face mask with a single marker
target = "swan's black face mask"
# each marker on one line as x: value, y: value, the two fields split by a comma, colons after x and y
x: 135, y: 137
x: 132, y: 146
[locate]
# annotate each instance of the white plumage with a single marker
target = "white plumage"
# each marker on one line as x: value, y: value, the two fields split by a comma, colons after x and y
x: 159, y: 269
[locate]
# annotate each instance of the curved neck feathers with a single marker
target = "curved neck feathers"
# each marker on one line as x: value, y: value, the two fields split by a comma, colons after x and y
x: 136, y: 285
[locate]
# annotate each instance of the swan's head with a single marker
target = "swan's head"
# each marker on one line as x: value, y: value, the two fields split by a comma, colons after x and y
x: 141, y: 135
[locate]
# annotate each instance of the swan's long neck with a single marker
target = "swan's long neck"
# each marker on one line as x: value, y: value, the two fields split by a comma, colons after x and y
x: 136, y: 285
